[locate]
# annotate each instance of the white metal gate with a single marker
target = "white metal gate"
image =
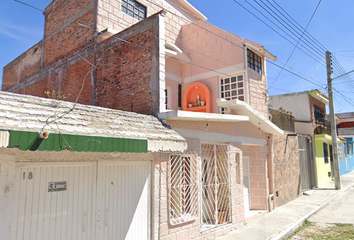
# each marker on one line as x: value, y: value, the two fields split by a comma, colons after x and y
x: 58, y: 201
x: 124, y: 211
x: 215, y: 184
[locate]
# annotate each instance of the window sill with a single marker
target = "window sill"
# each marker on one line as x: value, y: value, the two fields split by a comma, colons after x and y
x: 187, y: 218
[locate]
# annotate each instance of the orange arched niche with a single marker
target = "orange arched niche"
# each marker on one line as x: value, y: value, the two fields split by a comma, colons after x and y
x: 190, y: 96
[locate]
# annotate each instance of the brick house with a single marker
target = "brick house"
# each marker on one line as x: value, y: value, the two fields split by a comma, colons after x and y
x: 161, y: 58
x: 309, y: 110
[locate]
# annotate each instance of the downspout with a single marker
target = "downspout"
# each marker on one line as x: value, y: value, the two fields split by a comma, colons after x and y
x: 246, y: 68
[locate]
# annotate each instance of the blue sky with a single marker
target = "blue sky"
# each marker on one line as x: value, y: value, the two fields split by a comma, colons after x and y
x: 22, y: 26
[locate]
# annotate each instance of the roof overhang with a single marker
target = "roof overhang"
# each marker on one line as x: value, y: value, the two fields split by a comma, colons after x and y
x: 201, y: 116
x: 254, y: 117
x: 261, y: 51
x: 192, y: 10
x: 318, y: 96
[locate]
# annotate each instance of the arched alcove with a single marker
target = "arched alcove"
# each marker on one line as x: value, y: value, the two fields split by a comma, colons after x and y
x: 190, y: 97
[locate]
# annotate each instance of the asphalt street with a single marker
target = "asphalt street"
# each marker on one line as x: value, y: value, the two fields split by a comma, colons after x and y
x: 338, y: 210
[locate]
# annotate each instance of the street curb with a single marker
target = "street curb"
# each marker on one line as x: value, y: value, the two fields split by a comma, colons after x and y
x: 288, y: 231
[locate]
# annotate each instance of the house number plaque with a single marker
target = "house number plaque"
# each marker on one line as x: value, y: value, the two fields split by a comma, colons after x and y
x: 57, y: 186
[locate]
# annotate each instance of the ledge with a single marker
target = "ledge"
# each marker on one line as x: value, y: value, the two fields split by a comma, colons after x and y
x: 201, y: 116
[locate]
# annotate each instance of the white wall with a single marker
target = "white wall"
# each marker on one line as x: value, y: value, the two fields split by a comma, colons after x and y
x: 297, y: 103
x: 304, y: 128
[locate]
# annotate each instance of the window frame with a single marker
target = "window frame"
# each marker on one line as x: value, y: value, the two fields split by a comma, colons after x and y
x: 227, y: 93
x: 134, y: 9
x: 254, y: 61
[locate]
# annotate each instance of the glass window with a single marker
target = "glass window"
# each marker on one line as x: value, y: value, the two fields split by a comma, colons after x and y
x: 134, y: 9
x: 232, y: 88
x: 254, y: 61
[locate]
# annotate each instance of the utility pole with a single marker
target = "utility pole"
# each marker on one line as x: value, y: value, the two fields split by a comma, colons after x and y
x: 332, y: 118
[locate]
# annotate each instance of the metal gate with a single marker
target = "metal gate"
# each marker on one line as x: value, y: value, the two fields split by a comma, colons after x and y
x: 56, y: 201
x: 215, y: 185
x: 91, y: 201
x: 124, y: 210
x: 306, y: 162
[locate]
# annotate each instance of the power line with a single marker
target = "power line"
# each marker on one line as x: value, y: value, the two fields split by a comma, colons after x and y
x: 26, y: 4
x: 317, y: 60
x: 296, y: 43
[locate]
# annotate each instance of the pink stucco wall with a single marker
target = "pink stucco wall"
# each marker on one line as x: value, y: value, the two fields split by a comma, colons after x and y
x: 215, y: 53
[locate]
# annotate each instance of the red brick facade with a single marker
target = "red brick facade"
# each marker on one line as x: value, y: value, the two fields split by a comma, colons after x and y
x: 116, y: 73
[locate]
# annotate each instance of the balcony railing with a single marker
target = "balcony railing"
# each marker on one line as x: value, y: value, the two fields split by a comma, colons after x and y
x: 283, y: 120
x: 323, y: 126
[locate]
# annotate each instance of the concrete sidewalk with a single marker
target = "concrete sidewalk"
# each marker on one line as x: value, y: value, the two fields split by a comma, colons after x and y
x: 284, y: 220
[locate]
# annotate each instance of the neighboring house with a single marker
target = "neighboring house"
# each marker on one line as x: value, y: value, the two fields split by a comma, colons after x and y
x: 309, y: 111
x: 71, y: 171
x: 208, y: 85
x: 345, y: 126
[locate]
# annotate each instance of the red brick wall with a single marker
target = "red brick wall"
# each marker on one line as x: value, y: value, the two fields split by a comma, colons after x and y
x: 120, y: 74
x: 124, y: 74
x: 70, y: 38
x: 22, y: 67
x: 60, y: 11
x: 78, y: 75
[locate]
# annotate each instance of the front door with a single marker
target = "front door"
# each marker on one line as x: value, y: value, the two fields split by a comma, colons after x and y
x: 215, y: 185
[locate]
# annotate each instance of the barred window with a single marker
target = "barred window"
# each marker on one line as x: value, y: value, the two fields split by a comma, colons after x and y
x: 183, y: 188
x: 325, y: 153
x: 254, y: 61
x: 134, y: 9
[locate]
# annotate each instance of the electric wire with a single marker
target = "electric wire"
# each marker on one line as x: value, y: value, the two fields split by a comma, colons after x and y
x: 296, y: 44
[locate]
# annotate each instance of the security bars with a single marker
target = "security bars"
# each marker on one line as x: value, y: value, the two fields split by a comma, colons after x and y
x: 183, y: 186
x: 215, y: 185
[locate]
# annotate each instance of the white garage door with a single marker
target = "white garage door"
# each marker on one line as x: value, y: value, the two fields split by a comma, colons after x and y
x: 125, y: 204
x: 58, y: 201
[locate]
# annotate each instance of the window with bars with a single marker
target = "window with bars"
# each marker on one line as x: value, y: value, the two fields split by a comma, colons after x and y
x: 325, y: 153
x: 318, y: 114
x: 341, y: 151
x: 134, y: 9
x: 183, y: 186
x: 254, y: 61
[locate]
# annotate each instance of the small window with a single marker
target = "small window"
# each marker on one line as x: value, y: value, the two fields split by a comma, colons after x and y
x: 166, y: 98
x: 254, y: 61
x: 134, y: 9
x: 179, y: 95
x: 325, y: 153
x: 350, y: 148
x: 183, y: 186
